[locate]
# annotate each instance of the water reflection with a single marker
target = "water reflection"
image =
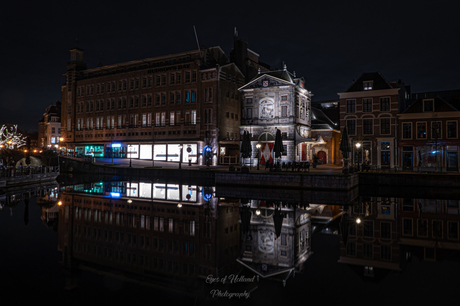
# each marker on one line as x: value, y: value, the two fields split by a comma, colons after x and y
x: 188, y: 239
x: 382, y: 234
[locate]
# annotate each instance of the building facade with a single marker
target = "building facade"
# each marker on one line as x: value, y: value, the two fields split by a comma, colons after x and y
x: 279, y: 100
x: 49, y: 127
x: 368, y: 109
x: 166, y: 108
x: 428, y: 134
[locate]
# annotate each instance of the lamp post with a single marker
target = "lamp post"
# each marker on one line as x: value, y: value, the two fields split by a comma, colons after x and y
x: 180, y: 157
x: 358, y: 146
x: 258, y: 155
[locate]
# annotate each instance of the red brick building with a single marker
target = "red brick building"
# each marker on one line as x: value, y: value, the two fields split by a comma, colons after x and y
x: 368, y: 109
x: 428, y: 133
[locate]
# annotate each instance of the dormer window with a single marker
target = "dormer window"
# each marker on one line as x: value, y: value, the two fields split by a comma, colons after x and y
x: 428, y: 105
x: 368, y: 85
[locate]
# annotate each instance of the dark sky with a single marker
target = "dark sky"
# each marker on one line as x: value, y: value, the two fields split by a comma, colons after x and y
x: 330, y: 43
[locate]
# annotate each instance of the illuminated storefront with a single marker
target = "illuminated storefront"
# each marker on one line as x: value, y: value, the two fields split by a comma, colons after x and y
x: 96, y: 151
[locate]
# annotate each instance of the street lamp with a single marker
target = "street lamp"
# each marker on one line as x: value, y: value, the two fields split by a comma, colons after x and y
x: 358, y: 145
x: 180, y: 157
x: 258, y: 155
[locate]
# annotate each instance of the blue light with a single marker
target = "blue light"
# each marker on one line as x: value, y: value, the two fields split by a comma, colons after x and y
x: 116, y: 145
x: 115, y: 194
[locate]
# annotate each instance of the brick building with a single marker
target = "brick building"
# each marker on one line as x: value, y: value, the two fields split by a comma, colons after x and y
x: 157, y: 108
x: 368, y: 109
x: 428, y: 132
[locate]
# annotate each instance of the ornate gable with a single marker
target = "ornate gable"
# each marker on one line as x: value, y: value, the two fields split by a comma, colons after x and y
x: 265, y: 81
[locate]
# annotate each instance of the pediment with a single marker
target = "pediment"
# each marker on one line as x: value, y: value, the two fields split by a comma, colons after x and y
x: 265, y: 81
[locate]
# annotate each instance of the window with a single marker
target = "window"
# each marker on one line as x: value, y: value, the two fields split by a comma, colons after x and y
x: 351, y: 127
x: 283, y: 111
x: 163, y: 118
x: 385, y: 252
x: 193, y: 117
x: 178, y: 75
x: 428, y: 106
x: 283, y: 98
x: 351, y: 249
x: 367, y: 105
x: 351, y: 106
x: 367, y: 126
x: 187, y: 77
x: 407, y: 227
x: 437, y: 229
x: 171, y: 98
x: 193, y: 75
x: 422, y: 228
x: 208, y: 116
x: 407, y: 130
x: 451, y: 129
x: 163, y: 98
x: 452, y: 230
x: 436, y: 130
x: 193, y: 96
x: 249, y: 100
x: 385, y: 230
x: 384, y: 104
x: 171, y: 118
x: 249, y: 113
x: 172, y: 78
x: 421, y: 130
x: 177, y: 97
x: 368, y: 85
x: 187, y: 96
x: 367, y: 250
x: 385, y: 126
x: 368, y: 228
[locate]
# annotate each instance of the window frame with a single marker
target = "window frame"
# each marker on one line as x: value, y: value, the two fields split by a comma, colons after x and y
x: 402, y: 130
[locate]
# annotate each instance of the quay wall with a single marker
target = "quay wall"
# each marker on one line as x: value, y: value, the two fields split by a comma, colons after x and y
x: 443, y: 180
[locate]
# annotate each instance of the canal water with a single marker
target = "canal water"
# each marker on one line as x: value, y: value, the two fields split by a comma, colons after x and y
x: 140, y: 241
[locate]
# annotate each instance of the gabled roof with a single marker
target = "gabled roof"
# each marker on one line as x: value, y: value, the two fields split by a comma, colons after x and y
x: 440, y: 105
x: 379, y: 82
x: 281, y: 76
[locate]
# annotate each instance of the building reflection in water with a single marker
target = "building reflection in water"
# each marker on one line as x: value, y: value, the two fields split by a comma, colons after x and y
x: 383, y: 234
x: 165, y: 234
x: 276, y: 238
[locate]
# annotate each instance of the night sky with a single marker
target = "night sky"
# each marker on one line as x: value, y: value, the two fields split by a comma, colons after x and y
x: 329, y: 43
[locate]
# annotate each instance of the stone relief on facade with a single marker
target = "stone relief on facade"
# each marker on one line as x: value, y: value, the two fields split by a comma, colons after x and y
x: 266, y: 109
x: 266, y: 240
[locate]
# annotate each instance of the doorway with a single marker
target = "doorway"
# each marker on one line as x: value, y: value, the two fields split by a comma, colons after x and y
x: 385, y: 161
x: 322, y: 157
x: 408, y: 161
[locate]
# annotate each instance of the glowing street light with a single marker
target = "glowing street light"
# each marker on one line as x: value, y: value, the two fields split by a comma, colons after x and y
x: 358, y: 146
x: 258, y: 155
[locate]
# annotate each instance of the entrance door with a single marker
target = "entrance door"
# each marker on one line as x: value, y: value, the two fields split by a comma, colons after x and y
x: 385, y: 162
x: 322, y: 157
x: 304, y: 152
x: 408, y: 160
x: 452, y: 161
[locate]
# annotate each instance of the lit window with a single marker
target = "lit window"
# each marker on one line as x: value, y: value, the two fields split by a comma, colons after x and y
x: 368, y: 85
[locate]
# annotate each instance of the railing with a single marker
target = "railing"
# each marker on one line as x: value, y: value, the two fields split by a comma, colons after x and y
x: 26, y: 171
x: 229, y: 160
